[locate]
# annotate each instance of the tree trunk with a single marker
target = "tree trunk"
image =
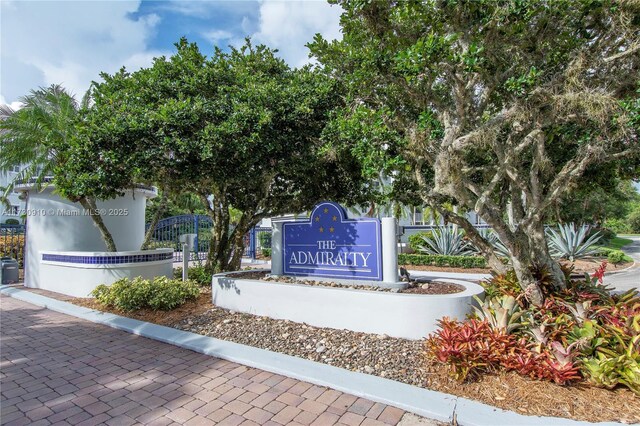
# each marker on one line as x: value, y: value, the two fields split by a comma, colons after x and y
x: 156, y: 218
x: 485, y: 248
x: 89, y: 204
x: 540, y: 255
x: 227, y: 246
x: 237, y: 250
x: 519, y: 248
x: 527, y: 281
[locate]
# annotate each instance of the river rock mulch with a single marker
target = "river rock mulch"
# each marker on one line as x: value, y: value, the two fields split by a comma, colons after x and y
x: 397, y: 359
x: 433, y: 287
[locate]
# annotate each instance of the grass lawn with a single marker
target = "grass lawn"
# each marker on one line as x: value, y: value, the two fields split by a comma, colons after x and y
x: 617, y: 243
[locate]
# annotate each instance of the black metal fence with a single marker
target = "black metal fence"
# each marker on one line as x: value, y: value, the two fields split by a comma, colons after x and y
x: 168, y: 231
x: 12, y: 242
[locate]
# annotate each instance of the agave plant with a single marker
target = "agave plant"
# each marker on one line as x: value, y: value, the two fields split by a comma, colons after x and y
x: 502, y: 313
x: 569, y: 241
x: 490, y: 236
x: 447, y: 241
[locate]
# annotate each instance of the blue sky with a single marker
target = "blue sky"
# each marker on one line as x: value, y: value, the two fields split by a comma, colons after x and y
x: 71, y: 42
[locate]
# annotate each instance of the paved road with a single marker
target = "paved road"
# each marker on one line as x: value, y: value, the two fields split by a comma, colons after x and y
x: 57, y: 369
x: 631, y: 277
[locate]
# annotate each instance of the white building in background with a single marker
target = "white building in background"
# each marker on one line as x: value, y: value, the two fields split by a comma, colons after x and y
x: 17, y: 207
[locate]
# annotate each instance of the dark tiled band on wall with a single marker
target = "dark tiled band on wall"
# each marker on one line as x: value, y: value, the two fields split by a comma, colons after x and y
x: 107, y: 260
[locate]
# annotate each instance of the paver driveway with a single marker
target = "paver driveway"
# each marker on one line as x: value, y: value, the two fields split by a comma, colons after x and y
x: 57, y: 369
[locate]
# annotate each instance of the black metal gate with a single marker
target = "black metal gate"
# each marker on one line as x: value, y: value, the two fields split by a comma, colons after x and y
x: 168, y: 231
x: 12, y: 242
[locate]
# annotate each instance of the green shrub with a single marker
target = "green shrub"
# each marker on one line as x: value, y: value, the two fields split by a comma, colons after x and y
x: 265, y: 240
x: 634, y: 220
x: 168, y: 294
x: 161, y: 293
x: 617, y: 256
x: 417, y: 240
x: 606, y: 234
x: 266, y: 252
x: 603, y: 251
x: 441, y: 260
x: 619, y: 226
x: 197, y: 273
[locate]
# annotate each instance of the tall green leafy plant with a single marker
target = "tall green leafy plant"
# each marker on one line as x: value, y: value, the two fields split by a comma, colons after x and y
x: 446, y: 241
x: 39, y: 138
x: 570, y: 241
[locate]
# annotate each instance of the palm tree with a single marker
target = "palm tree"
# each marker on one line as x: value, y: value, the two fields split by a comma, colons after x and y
x: 35, y: 138
x: 30, y: 136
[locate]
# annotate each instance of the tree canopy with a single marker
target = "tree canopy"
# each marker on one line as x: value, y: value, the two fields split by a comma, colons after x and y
x: 239, y: 129
x: 498, y: 106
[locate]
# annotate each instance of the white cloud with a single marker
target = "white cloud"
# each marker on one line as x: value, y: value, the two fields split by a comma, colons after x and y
x: 205, y: 8
x: 69, y: 43
x: 289, y: 25
x: 217, y: 36
x: 16, y: 105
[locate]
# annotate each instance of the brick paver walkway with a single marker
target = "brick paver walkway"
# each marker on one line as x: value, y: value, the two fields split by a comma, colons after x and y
x: 57, y: 369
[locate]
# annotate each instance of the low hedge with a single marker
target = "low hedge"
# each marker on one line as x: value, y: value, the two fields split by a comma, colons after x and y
x: 417, y: 240
x: 613, y: 256
x: 440, y: 260
x: 161, y: 293
x: 196, y: 273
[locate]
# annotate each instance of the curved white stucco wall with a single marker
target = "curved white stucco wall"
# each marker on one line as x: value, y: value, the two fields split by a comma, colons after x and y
x: 54, y: 223
x: 79, y: 280
x: 409, y: 316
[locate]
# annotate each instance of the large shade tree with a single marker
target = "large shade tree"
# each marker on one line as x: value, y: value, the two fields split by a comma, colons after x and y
x: 497, y: 106
x: 239, y: 129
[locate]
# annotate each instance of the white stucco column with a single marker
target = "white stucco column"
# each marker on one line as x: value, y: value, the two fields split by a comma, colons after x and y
x: 277, y: 265
x: 389, y: 250
x: 57, y: 224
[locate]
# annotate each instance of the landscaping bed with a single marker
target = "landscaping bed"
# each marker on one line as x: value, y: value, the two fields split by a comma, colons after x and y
x: 433, y: 287
x: 397, y: 359
x: 580, y: 266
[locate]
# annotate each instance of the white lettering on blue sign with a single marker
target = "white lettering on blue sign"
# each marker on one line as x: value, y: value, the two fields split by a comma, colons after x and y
x: 331, y: 245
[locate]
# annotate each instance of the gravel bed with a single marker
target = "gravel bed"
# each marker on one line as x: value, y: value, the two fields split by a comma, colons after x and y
x: 433, y: 287
x: 393, y: 358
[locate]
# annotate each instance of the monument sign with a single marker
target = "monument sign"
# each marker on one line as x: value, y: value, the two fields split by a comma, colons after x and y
x: 331, y: 245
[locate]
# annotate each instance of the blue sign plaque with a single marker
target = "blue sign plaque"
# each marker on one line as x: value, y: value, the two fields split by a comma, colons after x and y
x: 330, y: 245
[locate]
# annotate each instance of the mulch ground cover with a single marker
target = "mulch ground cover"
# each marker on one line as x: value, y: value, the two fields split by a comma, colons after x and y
x: 397, y: 359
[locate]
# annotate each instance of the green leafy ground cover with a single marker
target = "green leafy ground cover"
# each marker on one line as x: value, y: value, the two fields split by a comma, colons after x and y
x: 581, y: 333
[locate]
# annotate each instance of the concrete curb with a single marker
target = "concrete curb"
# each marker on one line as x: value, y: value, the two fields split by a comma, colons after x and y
x: 610, y: 273
x: 424, y: 402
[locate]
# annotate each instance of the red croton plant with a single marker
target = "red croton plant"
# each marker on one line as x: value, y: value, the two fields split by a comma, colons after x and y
x: 583, y: 333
